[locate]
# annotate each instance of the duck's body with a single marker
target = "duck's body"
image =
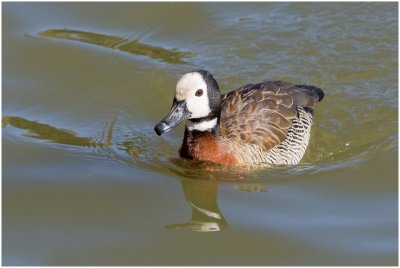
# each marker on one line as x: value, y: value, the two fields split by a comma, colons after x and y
x: 262, y: 124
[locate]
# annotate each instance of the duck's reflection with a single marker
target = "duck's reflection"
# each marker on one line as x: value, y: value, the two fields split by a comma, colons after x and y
x: 201, y: 195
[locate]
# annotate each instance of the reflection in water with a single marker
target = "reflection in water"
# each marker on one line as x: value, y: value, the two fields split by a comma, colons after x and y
x: 202, y: 198
x: 201, y: 191
x: 199, y: 181
x: 119, y: 43
x: 41, y: 131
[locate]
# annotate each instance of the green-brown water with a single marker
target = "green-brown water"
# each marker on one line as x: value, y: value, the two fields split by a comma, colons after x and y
x: 86, y: 181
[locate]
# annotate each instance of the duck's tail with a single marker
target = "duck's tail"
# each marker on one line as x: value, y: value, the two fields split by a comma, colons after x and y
x: 314, y: 89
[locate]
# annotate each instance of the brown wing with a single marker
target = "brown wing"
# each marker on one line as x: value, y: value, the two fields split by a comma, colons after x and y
x: 261, y: 114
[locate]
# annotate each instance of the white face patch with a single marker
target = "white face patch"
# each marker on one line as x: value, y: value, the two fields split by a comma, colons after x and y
x: 186, y: 89
x: 202, y: 126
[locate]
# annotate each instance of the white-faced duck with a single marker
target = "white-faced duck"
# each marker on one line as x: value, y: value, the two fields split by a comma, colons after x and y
x: 257, y: 124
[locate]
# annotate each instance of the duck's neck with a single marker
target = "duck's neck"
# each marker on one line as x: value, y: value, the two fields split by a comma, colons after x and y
x: 204, y: 125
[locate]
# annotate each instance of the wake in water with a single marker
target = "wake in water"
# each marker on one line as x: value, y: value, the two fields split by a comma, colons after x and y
x: 342, y: 139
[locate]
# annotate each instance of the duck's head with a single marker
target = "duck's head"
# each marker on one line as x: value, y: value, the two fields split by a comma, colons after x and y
x: 197, y: 99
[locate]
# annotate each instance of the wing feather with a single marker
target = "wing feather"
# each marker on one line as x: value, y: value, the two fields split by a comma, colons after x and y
x: 262, y: 114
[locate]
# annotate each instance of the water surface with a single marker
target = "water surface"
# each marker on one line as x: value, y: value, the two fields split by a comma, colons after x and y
x: 86, y: 181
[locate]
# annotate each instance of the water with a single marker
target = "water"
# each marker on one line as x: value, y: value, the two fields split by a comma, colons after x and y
x: 86, y: 181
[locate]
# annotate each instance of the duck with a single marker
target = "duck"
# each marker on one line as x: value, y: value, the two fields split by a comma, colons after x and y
x: 262, y: 124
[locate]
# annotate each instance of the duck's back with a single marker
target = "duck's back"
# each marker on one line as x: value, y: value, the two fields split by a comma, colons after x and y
x: 269, y: 122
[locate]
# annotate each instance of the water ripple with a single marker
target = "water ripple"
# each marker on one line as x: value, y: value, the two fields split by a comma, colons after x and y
x: 136, y: 47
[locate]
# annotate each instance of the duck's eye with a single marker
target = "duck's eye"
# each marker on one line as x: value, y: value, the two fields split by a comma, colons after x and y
x: 199, y: 93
